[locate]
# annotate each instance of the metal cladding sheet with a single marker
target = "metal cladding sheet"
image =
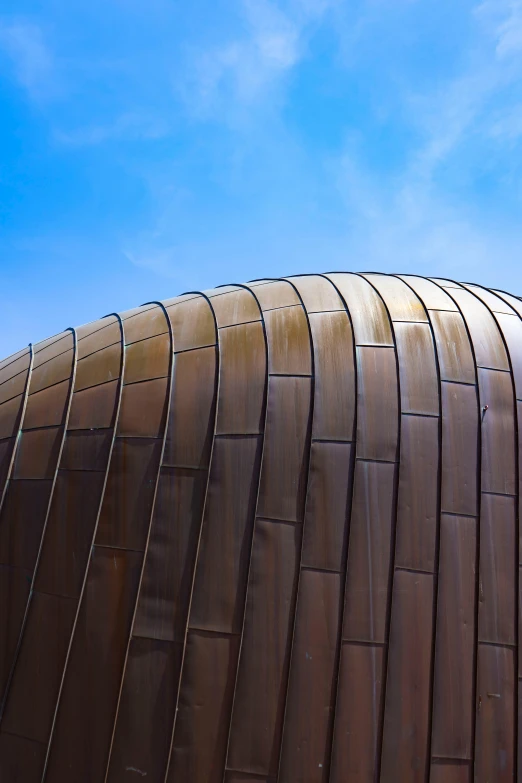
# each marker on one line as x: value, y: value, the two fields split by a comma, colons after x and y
x: 265, y: 653
x: 334, y: 396
x: 405, y: 745
x: 313, y: 678
x: 454, y: 642
x: 355, y: 753
x: 266, y: 532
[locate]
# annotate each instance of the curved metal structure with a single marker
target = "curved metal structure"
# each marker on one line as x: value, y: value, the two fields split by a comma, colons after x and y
x: 268, y: 532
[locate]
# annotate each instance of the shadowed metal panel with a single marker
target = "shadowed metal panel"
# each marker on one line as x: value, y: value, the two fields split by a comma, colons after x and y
x: 261, y: 685
x: 235, y: 457
x: 150, y: 685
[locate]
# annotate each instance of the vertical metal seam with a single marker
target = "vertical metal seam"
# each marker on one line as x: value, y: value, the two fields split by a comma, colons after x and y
x: 17, y: 437
x: 427, y: 773
x: 86, y: 573
x: 517, y: 511
x: 44, y: 528
x: 391, y: 578
x: 217, y: 380
x: 151, y: 518
x: 344, y: 561
x: 479, y: 509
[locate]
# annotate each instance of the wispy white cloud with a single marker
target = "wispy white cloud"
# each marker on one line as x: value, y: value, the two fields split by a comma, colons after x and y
x: 248, y: 66
x: 32, y: 60
x: 128, y: 126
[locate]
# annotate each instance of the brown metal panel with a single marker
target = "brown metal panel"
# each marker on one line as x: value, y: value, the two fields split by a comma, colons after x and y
x: 21, y: 759
x: 238, y: 306
x: 192, y: 324
x: 450, y: 772
x: 148, y: 359
x: 99, y: 367
x: 85, y: 718
x: 401, y: 302
x: 193, y: 393
x: 21, y: 522
x: 405, y: 744
x: 498, y: 432
x: 198, y: 752
x: 454, y: 642
x: 13, y: 387
x: 47, y: 407
x: 377, y: 404
x: 15, y: 368
x: 244, y: 777
x: 146, y: 712
x: 418, y: 493
x: 415, y: 349
x: 143, y: 409
x: 241, y: 379
x: 456, y: 360
x: 85, y: 331
x: 369, y: 552
x: 127, y: 503
x: 334, y: 390
x: 137, y: 311
x: 497, y: 591
x: 102, y: 338
x: 10, y: 416
x: 519, y: 489
x: 86, y: 449
x: 149, y: 323
x: 94, y: 407
x: 355, y: 754
x: 70, y: 528
x: 460, y: 425
x: 313, y: 674
x: 284, y: 470
x: 14, y: 357
x: 276, y: 293
x: 222, y: 569
x: 371, y: 324
x: 289, y: 341
x: 317, y: 293
x: 433, y: 297
x: 327, y: 504
x: 167, y: 580
x: 260, y: 690
x: 37, y: 453
x: 495, y: 738
x: 487, y: 342
x: 49, y: 341
x: 511, y: 328
x: 453, y: 347
x: 15, y: 584
x: 55, y: 370
x: 43, y: 355
x: 39, y: 668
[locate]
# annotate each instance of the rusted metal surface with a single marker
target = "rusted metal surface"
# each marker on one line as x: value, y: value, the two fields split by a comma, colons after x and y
x: 266, y: 532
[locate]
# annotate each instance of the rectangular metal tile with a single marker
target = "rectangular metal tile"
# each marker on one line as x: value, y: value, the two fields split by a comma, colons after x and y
x: 224, y: 553
x: 327, y: 505
x: 415, y: 349
x: 334, y: 394
x: 453, y: 347
x: 498, y: 432
x: 377, y: 404
x: 454, y: 641
x: 288, y: 335
x: 263, y: 667
x: 460, y: 424
x: 143, y: 409
x: 495, y: 728
x: 305, y: 754
x: 369, y: 552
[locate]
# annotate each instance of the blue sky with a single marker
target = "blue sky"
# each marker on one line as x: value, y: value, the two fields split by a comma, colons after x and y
x: 150, y: 147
